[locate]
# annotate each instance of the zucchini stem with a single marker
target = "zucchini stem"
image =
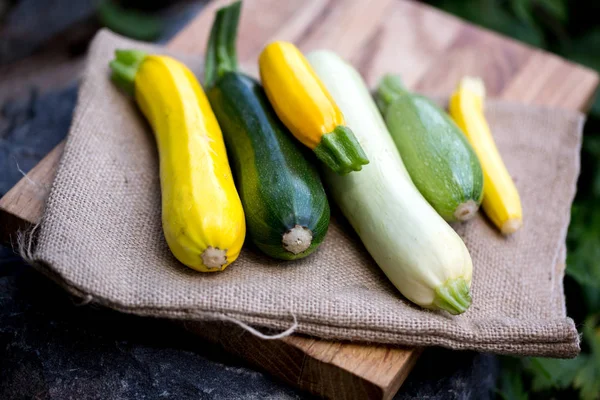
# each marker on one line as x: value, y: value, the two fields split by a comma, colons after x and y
x: 297, y: 239
x: 124, y: 68
x: 390, y: 89
x: 221, y: 56
x: 453, y: 296
x: 341, y: 151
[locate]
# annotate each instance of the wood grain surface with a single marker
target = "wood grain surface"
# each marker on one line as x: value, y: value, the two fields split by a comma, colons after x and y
x: 432, y: 51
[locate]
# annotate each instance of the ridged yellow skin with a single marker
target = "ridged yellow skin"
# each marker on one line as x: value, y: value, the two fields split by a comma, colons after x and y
x: 501, y: 201
x: 200, y: 205
x: 298, y: 96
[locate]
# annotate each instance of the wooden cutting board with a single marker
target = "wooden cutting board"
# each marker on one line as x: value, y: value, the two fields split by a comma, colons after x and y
x: 432, y: 51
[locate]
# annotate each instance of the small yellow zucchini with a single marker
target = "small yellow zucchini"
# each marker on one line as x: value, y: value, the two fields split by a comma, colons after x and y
x: 202, y: 216
x: 307, y: 109
x: 501, y: 201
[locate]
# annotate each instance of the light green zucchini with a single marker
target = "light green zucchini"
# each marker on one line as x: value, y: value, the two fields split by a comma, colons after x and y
x: 436, y: 153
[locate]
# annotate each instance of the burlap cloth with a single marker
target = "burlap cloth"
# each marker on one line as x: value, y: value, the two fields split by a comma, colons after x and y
x: 101, y: 238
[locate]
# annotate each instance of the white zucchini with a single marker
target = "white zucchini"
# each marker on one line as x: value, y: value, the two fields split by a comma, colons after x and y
x: 417, y: 250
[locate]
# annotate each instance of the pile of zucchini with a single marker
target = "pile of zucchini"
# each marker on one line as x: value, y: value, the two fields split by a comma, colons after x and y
x: 399, y: 167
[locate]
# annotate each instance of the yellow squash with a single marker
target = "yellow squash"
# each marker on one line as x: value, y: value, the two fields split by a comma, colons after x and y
x: 501, y: 201
x: 307, y: 109
x: 202, y: 215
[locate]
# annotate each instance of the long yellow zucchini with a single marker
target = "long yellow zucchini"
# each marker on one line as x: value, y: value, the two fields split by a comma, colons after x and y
x: 303, y: 104
x: 418, y: 251
x: 501, y: 201
x: 202, y: 215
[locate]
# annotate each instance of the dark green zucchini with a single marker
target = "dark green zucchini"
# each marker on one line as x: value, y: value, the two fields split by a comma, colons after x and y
x: 436, y: 153
x: 287, y: 212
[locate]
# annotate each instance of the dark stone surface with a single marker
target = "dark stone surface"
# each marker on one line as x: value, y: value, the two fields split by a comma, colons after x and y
x: 30, y: 23
x: 453, y: 375
x: 32, y: 127
x: 51, y: 348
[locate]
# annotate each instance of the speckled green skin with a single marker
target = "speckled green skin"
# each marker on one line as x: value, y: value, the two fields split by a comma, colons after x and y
x: 278, y: 185
x: 438, y: 157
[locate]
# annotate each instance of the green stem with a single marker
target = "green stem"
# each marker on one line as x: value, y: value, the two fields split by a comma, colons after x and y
x: 221, y: 56
x: 389, y: 89
x: 453, y: 296
x: 124, y: 68
x: 341, y: 151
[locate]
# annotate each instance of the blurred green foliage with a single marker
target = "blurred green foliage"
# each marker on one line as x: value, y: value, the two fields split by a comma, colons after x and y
x: 129, y: 21
x: 572, y: 30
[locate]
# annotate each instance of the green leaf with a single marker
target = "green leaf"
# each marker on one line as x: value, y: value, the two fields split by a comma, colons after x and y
x: 523, y: 9
x: 584, y: 49
x: 591, y: 297
x: 596, y: 185
x: 591, y: 144
x: 581, y: 373
x: 583, y: 258
x: 555, y: 8
x: 131, y: 23
x: 511, y: 385
x: 583, y: 263
x: 595, y: 108
x: 591, y: 335
x: 551, y: 373
x: 587, y: 379
x: 492, y: 15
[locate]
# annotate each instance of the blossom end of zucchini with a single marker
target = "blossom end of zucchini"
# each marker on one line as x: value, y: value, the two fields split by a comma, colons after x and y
x: 511, y: 226
x: 453, y: 296
x: 297, y: 239
x: 341, y: 151
x: 466, y: 210
x: 214, y: 259
x: 474, y: 85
